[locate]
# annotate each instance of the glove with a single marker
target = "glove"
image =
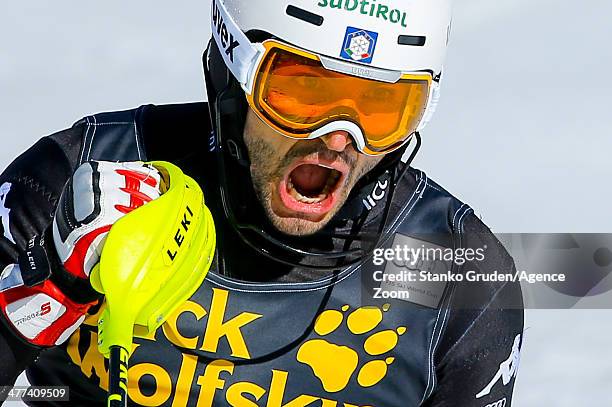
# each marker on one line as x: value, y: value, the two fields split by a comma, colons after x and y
x: 46, y: 296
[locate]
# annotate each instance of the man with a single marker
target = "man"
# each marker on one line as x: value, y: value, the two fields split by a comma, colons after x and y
x: 312, y: 107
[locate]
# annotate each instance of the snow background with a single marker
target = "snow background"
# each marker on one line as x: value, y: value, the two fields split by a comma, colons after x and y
x: 524, y: 102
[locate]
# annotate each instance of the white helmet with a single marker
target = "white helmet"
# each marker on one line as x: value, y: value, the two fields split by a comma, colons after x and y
x: 412, y: 35
x: 392, y: 35
x: 372, y: 39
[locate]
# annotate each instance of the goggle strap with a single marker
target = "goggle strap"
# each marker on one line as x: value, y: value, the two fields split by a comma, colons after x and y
x: 235, y: 47
x: 432, y: 104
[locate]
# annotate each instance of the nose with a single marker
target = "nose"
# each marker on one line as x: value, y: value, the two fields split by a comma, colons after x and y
x: 337, y: 141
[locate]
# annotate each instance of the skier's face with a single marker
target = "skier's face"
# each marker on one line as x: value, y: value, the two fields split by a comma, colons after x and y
x: 302, y: 183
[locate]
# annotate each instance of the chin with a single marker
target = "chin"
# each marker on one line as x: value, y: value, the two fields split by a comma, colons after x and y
x: 297, y: 226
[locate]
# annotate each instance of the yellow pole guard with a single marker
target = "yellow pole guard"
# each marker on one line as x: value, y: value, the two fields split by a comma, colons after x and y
x: 153, y: 260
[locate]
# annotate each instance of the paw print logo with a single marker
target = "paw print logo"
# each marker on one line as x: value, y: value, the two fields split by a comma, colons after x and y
x: 334, y: 364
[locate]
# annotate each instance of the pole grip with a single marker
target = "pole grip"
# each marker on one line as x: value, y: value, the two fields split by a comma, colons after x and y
x: 118, y: 376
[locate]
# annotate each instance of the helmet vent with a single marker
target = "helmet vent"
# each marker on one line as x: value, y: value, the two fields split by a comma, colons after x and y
x: 304, y: 15
x: 414, y: 40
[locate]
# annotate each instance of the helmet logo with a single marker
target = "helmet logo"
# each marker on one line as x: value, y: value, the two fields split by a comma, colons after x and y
x: 368, y: 8
x: 359, y: 45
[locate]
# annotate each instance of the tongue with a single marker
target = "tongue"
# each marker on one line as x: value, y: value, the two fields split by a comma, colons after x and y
x: 309, y: 179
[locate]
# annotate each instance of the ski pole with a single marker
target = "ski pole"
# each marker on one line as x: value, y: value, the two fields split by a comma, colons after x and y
x: 117, y: 376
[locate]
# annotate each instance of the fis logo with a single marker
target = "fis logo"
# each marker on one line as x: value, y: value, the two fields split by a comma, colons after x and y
x: 225, y: 38
x: 359, y: 45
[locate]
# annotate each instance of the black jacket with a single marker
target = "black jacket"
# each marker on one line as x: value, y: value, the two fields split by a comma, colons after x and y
x: 252, y: 335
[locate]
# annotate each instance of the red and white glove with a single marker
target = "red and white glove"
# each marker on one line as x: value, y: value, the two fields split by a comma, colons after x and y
x: 46, y: 296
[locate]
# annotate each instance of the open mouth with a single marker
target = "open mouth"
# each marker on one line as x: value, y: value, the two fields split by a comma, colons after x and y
x: 310, y: 186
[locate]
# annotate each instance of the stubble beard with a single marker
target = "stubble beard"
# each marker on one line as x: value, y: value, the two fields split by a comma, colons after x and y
x: 267, y: 169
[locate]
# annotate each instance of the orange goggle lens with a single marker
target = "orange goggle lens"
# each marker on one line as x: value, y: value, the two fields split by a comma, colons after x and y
x: 294, y: 93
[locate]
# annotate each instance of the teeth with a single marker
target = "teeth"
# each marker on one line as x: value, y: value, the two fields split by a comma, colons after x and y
x: 304, y: 199
x: 331, y: 182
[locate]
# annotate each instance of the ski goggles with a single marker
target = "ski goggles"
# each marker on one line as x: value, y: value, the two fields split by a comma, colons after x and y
x: 303, y: 95
x: 295, y: 94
